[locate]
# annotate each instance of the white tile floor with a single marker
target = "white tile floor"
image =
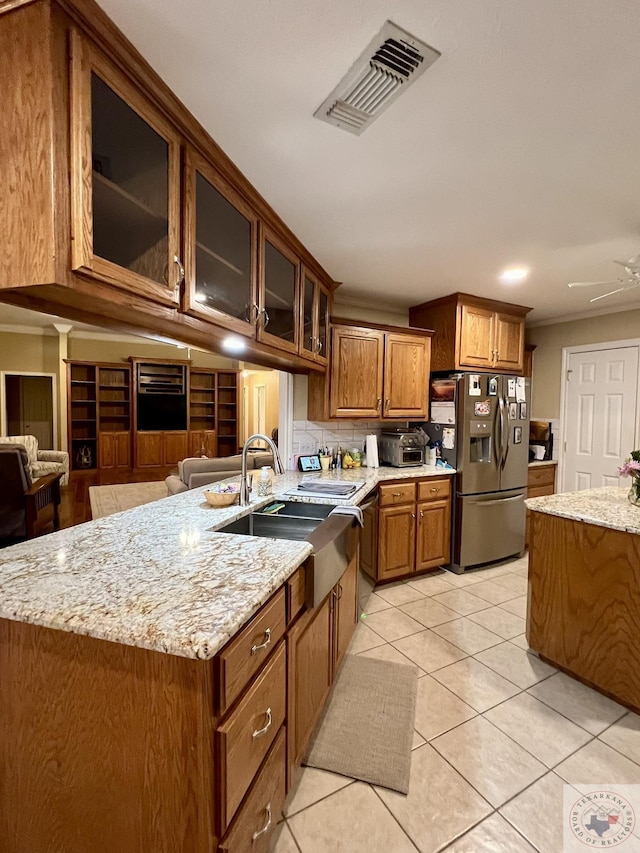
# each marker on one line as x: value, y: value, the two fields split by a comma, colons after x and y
x: 498, y: 733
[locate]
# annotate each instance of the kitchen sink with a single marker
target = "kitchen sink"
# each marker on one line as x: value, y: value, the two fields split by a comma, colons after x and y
x: 334, y: 540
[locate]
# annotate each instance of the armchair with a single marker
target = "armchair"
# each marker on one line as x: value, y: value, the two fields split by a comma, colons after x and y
x: 26, y: 507
x: 41, y: 462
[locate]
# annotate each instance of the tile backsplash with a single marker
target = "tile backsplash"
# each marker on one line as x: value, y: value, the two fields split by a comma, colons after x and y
x: 309, y: 436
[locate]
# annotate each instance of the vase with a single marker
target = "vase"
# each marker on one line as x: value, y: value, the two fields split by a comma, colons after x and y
x: 634, y: 491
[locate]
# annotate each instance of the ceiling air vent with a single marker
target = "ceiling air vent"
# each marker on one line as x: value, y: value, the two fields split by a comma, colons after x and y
x: 392, y: 61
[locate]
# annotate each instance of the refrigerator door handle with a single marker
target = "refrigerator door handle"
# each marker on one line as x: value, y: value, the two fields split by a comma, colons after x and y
x: 505, y: 434
x: 496, y: 500
x: 501, y: 431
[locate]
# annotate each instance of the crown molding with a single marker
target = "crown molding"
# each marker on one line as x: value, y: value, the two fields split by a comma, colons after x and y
x: 27, y: 330
x: 585, y: 315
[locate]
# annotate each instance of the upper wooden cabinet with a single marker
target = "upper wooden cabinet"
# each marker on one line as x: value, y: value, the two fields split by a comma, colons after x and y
x: 220, y: 249
x: 125, y: 181
x: 375, y: 373
x: 279, y: 301
x: 473, y: 333
x: 141, y: 220
x: 314, y: 325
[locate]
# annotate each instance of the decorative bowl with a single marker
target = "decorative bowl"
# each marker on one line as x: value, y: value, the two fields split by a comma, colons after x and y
x: 222, y: 495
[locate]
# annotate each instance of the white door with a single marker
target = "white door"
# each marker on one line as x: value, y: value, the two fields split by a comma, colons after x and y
x: 600, y: 416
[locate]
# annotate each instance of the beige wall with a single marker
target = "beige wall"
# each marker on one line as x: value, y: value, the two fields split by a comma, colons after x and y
x: 365, y: 314
x: 28, y: 353
x: 271, y: 380
x: 549, y: 341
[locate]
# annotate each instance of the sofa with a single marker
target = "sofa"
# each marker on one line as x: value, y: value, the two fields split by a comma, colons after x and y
x: 195, y: 472
x: 41, y: 462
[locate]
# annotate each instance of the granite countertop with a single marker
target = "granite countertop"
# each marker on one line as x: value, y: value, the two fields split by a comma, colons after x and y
x: 605, y: 507
x: 159, y: 576
x: 537, y: 463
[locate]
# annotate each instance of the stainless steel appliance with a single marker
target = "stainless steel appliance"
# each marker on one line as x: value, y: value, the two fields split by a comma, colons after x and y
x: 480, y: 421
x: 402, y: 448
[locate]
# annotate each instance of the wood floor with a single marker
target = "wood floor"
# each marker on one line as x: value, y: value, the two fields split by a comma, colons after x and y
x: 75, y: 507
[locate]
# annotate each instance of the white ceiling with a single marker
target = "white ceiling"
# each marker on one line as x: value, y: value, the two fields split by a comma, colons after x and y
x: 519, y: 146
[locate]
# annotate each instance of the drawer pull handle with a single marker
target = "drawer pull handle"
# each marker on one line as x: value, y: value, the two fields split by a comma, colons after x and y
x: 435, y: 490
x: 264, y: 829
x: 260, y: 732
x: 267, y: 640
x: 396, y: 494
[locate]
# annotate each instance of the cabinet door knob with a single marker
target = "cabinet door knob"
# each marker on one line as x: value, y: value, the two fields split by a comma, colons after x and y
x: 319, y: 346
x: 413, y: 515
x: 267, y: 640
x: 263, y: 731
x: 247, y: 312
x: 421, y: 514
x: 378, y: 402
x: 262, y: 831
x: 265, y: 315
x: 387, y: 403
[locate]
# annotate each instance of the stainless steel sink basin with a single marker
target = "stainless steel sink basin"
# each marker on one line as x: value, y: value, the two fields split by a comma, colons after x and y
x: 334, y: 540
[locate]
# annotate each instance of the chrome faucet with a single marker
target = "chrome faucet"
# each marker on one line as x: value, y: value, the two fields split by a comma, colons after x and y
x: 278, y: 467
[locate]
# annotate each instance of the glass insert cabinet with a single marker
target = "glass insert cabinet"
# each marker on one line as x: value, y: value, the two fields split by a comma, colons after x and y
x: 144, y: 201
x: 125, y: 182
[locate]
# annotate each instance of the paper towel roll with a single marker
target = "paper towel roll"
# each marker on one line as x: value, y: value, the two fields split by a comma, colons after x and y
x: 372, y: 451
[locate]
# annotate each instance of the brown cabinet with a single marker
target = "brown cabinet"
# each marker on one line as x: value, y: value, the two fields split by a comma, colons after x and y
x: 117, y: 178
x: 541, y: 481
x: 374, y: 372
x: 309, y: 667
x: 221, y: 240
x: 314, y: 318
x: 114, y: 450
x: 125, y: 181
x: 159, y: 449
x: 408, y: 529
x: 317, y: 643
x: 473, y: 333
x: 345, y: 606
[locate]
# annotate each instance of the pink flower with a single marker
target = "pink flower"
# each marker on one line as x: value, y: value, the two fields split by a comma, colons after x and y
x: 630, y: 468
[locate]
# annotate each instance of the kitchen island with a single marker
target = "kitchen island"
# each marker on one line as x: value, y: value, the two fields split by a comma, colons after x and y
x: 583, y: 611
x: 160, y: 679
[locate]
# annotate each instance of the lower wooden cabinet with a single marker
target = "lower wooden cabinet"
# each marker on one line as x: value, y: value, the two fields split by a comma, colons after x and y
x: 541, y: 481
x: 310, y: 671
x: 410, y: 530
x: 345, y: 608
x: 244, y: 738
x: 255, y: 825
x: 160, y: 449
x: 114, y: 450
x: 317, y: 645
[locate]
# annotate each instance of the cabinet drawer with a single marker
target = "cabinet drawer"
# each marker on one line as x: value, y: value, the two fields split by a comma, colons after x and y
x: 397, y: 493
x: 296, y: 588
x: 434, y: 489
x: 545, y: 475
x: 244, y: 738
x: 540, y: 491
x: 246, y: 653
x: 256, y: 823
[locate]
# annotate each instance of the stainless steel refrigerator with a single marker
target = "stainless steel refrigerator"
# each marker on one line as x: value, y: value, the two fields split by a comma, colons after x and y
x: 481, y: 421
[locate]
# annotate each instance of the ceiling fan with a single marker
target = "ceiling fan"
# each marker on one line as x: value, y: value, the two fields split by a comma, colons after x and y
x: 632, y: 269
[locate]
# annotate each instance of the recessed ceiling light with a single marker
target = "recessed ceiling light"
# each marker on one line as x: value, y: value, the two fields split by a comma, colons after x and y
x: 512, y: 275
x: 233, y: 343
